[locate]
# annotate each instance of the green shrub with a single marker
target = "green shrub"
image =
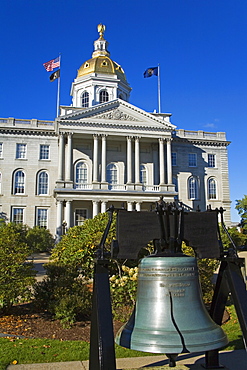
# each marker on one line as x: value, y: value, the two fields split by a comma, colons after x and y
x: 63, y: 293
x: 16, y: 275
x: 39, y: 239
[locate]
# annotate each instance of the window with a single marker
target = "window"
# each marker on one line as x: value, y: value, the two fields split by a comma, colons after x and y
x: 143, y: 174
x: 80, y: 216
x: 43, y: 183
x: 111, y: 174
x: 193, y: 188
x: 85, y: 100
x: 44, y: 152
x: 103, y: 96
x: 211, y: 160
x: 17, y: 215
x: 0, y: 183
x: 212, y: 189
x: 174, y: 159
x: 19, y: 182
x: 192, y: 160
x: 42, y: 214
x: 81, y: 175
x: 21, y: 151
x: 1, y: 150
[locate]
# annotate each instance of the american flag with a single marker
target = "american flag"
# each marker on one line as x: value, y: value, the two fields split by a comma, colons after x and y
x: 54, y: 63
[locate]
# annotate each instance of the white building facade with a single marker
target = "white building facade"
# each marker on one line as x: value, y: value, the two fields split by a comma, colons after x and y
x: 104, y: 151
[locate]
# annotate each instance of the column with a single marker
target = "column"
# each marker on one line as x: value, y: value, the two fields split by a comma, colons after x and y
x: 69, y: 158
x: 103, y: 206
x: 68, y: 213
x: 162, y: 164
x: 137, y: 160
x: 169, y: 161
x: 95, y: 208
x: 103, y: 159
x: 138, y: 206
x: 59, y: 217
x: 155, y: 152
x: 129, y: 206
x: 129, y: 160
x: 95, y: 157
x: 61, y: 157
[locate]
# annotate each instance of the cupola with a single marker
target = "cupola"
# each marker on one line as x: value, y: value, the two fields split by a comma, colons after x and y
x: 99, y: 79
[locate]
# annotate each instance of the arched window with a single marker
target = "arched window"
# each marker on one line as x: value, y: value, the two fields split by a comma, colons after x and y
x: 212, y: 191
x: 85, y: 99
x: 103, y: 96
x: 143, y: 174
x: 193, y: 188
x: 81, y: 174
x: 19, y: 182
x: 111, y: 175
x: 43, y: 182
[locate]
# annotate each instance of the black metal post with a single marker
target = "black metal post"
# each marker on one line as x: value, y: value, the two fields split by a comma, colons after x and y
x: 102, y: 348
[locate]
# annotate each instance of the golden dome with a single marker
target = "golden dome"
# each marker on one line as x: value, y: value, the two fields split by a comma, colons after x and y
x: 101, y: 64
x: 101, y: 61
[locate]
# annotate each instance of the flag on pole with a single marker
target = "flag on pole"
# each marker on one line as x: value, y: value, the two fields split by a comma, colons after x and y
x: 54, y: 63
x: 55, y: 75
x: 150, y: 72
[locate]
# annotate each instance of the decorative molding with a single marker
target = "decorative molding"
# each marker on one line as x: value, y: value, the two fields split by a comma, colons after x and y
x: 118, y: 115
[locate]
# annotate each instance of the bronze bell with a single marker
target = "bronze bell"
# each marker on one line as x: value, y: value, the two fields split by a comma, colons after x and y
x: 170, y: 316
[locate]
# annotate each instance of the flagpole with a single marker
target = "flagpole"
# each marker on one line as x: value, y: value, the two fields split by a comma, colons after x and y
x: 58, y: 87
x: 159, y: 105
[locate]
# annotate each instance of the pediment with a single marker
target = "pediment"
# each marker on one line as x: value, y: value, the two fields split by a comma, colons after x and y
x: 115, y: 113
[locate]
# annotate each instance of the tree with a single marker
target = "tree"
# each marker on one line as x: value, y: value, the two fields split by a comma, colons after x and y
x: 241, y: 207
x: 39, y: 239
x: 16, y: 275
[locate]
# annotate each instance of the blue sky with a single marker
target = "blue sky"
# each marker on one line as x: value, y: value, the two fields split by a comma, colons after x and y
x: 199, y: 44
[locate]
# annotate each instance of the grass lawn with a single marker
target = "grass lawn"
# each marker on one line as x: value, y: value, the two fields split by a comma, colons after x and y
x: 24, y: 351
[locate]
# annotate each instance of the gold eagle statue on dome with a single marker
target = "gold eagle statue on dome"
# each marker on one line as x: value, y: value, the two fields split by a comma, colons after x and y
x: 101, y: 30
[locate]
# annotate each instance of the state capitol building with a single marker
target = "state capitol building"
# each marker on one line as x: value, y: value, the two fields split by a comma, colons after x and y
x: 104, y: 151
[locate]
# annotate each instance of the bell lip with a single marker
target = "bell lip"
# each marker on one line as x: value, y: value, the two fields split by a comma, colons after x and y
x: 167, y: 254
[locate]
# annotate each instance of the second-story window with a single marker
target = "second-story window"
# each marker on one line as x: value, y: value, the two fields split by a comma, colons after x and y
x: 43, y: 183
x: 44, y: 152
x: 212, y: 190
x: 19, y: 182
x: 21, y: 151
x: 111, y: 174
x: 193, y: 188
x: 143, y: 174
x: 81, y: 175
x: 85, y: 99
x: 1, y: 150
x: 103, y: 96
